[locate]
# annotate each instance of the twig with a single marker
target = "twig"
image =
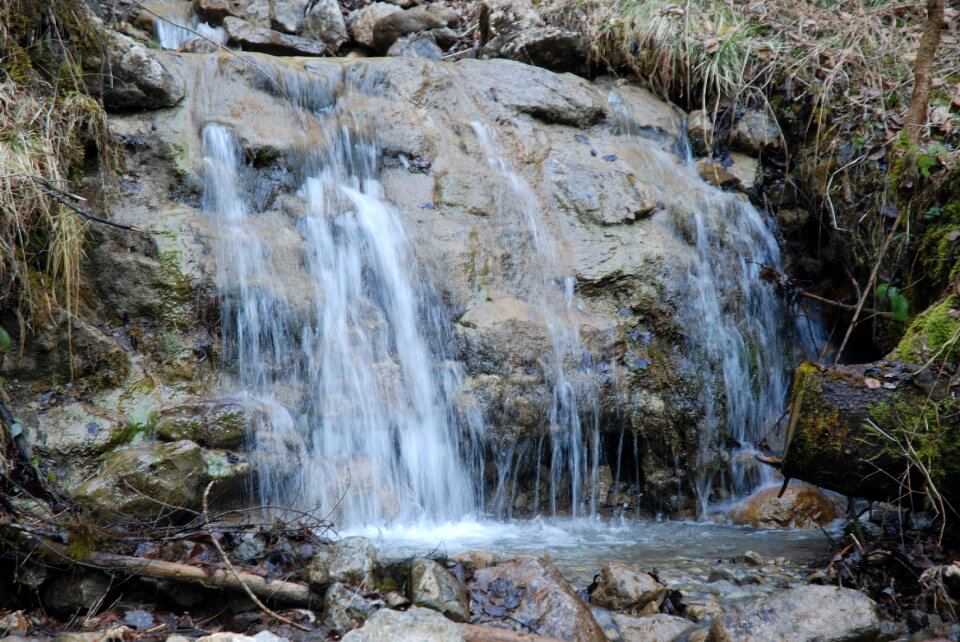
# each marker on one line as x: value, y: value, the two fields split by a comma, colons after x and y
x: 226, y: 560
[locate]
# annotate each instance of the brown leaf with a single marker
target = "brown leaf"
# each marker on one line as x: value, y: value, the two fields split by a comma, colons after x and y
x: 871, y: 383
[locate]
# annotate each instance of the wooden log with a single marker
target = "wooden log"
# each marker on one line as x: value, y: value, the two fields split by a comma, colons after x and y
x: 277, y: 591
x: 474, y: 633
x: 861, y: 430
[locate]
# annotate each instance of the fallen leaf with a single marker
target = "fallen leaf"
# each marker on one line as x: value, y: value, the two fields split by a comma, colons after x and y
x: 871, y: 383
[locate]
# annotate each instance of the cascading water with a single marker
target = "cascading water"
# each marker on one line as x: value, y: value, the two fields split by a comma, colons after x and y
x: 351, y: 371
x: 174, y: 31
x: 574, y: 431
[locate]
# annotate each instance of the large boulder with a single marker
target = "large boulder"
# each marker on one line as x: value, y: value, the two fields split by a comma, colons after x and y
x: 433, y: 587
x: 802, y: 506
x: 414, y: 625
x: 531, y: 590
x: 394, y: 26
x: 361, y: 21
x: 653, y: 628
x: 253, y: 38
x: 349, y: 561
x: 135, y: 78
x: 621, y: 587
x: 804, y: 614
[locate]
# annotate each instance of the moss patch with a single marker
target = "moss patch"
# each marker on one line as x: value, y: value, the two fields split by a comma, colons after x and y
x: 933, y: 334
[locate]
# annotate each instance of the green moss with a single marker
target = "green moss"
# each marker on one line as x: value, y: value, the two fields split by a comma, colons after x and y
x: 934, y: 333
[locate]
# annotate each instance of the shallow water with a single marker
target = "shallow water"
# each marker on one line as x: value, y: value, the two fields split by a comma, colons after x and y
x: 681, y: 550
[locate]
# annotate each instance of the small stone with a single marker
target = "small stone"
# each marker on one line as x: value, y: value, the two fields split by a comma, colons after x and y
x: 433, y: 586
x: 756, y: 132
x: 654, y: 628
x: 360, y: 22
x: 394, y: 26
x: 75, y: 592
x: 753, y: 558
x: 413, y: 625
x: 624, y: 588
x: 324, y: 22
x: 396, y: 600
x: 349, y: 561
x: 344, y: 609
x: 287, y: 15
x: 421, y: 45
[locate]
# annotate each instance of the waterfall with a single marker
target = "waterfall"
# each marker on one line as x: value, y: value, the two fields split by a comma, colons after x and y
x: 173, y: 32
x: 574, y: 431
x: 349, y: 355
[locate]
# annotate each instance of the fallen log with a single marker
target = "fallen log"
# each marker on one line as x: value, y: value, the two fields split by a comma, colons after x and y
x: 474, y: 633
x: 874, y: 431
x: 277, y: 591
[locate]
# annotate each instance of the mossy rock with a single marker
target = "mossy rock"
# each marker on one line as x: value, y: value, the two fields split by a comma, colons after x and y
x: 214, y: 424
x: 933, y: 334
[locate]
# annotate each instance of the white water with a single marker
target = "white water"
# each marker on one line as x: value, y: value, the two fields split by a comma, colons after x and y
x: 174, y: 31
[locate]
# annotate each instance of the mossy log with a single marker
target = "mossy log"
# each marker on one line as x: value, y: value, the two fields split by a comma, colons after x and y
x: 862, y: 430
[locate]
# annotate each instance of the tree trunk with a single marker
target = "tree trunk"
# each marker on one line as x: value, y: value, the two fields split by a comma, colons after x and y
x: 923, y: 71
x: 871, y: 431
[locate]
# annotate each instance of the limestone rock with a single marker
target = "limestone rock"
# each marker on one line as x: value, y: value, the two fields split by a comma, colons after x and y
x: 287, y: 15
x: 136, y: 80
x: 344, y: 609
x: 134, y: 478
x: 519, y: 33
x: 349, y: 561
x: 805, y: 614
x: 361, y: 21
x: 653, y: 628
x: 433, y: 587
x: 324, y: 22
x: 537, y: 592
x: 75, y: 592
x: 421, y: 45
x: 414, y: 625
x: 756, y: 132
x: 217, y: 423
x: 621, y: 587
x: 802, y: 506
x: 253, y: 38
x: 393, y: 26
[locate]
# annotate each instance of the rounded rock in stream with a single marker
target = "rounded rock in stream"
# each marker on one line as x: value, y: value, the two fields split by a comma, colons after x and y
x: 621, y: 587
x: 802, y: 506
x: 434, y: 587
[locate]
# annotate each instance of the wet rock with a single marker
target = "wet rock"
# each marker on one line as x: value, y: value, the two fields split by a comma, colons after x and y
x: 76, y: 430
x: 519, y: 33
x: 415, y: 624
x: 433, y: 587
x: 653, y: 628
x: 344, y: 609
x: 252, y: 38
x: 699, y: 611
x: 137, y: 79
x: 229, y: 471
x: 531, y: 589
x: 802, y: 506
x: 133, y: 479
x: 421, y: 45
x: 218, y: 423
x: 745, y: 169
x: 542, y: 94
x: 360, y: 22
x: 756, y: 132
x: 324, y: 22
x: 804, y: 614
x: 624, y: 588
x: 287, y: 15
x: 348, y: 561
x: 625, y: 199
x: 394, y: 26
x: 700, y: 132
x: 740, y: 172
x: 75, y: 592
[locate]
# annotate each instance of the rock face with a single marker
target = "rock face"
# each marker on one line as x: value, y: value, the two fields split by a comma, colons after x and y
x: 623, y: 588
x: 530, y: 589
x: 433, y: 587
x: 393, y: 26
x: 802, y: 506
x: 805, y: 614
x: 349, y: 561
x: 248, y: 36
x: 415, y: 625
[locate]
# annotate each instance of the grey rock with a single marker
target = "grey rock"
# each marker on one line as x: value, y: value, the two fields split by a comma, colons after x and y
x: 753, y: 558
x: 214, y: 11
x: 394, y: 26
x: 421, y: 45
x: 433, y: 587
x: 252, y: 38
x: 216, y: 423
x: 519, y: 33
x: 135, y: 478
x: 543, y: 596
x: 75, y: 592
x: 621, y: 587
x: 413, y: 625
x: 262, y: 636
x: 653, y: 628
x: 324, y: 22
x: 756, y: 132
x: 344, y: 609
x: 361, y: 21
x: 804, y: 614
x: 348, y: 561
x: 136, y: 79
x: 287, y: 15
